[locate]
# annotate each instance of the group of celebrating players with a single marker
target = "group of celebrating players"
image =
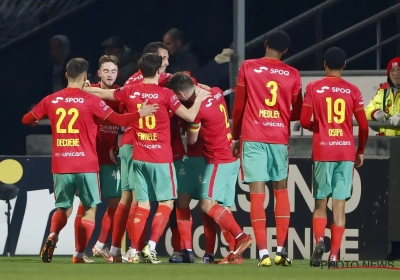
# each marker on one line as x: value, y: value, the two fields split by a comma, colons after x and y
x: 156, y: 167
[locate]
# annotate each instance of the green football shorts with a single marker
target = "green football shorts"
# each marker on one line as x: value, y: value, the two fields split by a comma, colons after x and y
x: 110, y: 181
x: 125, y: 154
x: 189, y: 174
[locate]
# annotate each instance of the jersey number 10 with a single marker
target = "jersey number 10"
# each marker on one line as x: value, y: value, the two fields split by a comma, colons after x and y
x: 339, y: 110
x: 150, y: 121
x: 70, y: 128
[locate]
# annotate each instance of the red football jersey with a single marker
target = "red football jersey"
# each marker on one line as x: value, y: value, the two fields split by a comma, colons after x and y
x: 128, y: 136
x: 334, y: 101
x: 152, y: 134
x: 178, y: 149
x: 215, y: 128
x: 107, y: 133
x: 270, y: 85
x: 71, y: 112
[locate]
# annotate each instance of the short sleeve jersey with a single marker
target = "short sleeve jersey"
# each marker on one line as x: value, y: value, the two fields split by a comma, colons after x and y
x: 72, y: 112
x: 270, y: 85
x: 334, y: 102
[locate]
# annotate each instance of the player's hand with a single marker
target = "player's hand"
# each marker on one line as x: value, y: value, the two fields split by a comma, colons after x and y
x: 236, y: 149
x: 113, y: 152
x: 395, y: 120
x: 204, y: 86
x: 202, y: 94
x: 380, y: 116
x: 147, y: 109
x: 359, y: 160
x: 35, y: 123
x: 87, y: 83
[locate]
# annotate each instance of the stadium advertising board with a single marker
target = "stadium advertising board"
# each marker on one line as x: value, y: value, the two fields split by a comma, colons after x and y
x: 365, y: 238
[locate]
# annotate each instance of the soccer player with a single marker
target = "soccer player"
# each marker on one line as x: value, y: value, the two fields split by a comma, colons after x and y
x: 153, y: 171
x: 266, y: 89
x: 128, y: 204
x: 75, y: 165
x: 220, y: 175
x: 333, y: 101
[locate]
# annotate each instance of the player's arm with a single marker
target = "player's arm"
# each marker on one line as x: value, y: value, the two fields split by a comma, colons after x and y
x: 238, y: 105
x: 107, y: 94
x: 307, y: 110
x: 189, y: 115
x: 362, y: 130
x: 375, y: 106
x: 297, y: 104
x: 192, y: 133
x: 36, y: 114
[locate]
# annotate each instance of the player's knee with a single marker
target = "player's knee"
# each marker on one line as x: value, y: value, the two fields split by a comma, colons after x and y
x: 89, y: 213
x: 144, y: 204
x: 280, y: 185
x: 320, y: 205
x: 207, y: 204
x: 169, y: 203
x: 257, y: 187
x: 184, y: 200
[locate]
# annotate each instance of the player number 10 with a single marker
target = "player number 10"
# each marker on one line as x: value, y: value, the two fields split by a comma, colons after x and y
x: 70, y: 128
x: 150, y: 121
x: 273, y: 88
x: 339, y: 109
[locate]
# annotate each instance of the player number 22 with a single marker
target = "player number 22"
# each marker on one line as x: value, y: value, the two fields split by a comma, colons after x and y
x: 70, y: 128
x: 273, y: 87
x: 223, y: 110
x: 339, y: 110
x: 150, y: 121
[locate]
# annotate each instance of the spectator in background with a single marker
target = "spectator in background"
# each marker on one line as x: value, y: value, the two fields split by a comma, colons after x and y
x: 386, y: 104
x: 216, y: 72
x: 181, y: 58
x: 60, y: 54
x: 127, y: 59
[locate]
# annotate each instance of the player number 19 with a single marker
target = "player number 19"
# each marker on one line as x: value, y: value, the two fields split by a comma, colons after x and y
x: 339, y: 110
x: 70, y: 128
x: 273, y: 88
x: 150, y: 121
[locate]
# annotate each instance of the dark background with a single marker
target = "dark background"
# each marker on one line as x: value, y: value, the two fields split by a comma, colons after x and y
x: 207, y: 24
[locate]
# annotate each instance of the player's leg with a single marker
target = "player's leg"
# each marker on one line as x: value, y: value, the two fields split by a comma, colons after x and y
x: 255, y: 173
x: 144, y: 194
x: 124, y: 205
x: 278, y: 172
x: 88, y: 187
x: 163, y: 182
x: 64, y: 191
x: 110, y: 185
x: 341, y: 191
x: 213, y: 191
x: 322, y: 190
x: 229, y: 201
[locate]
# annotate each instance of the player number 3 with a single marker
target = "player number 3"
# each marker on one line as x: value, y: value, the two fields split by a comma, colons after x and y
x: 150, y: 121
x: 70, y: 127
x: 273, y: 87
x: 339, y: 110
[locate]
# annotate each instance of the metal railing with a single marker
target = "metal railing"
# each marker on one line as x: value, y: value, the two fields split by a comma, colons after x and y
x: 293, y: 22
x: 21, y: 19
x: 376, y: 18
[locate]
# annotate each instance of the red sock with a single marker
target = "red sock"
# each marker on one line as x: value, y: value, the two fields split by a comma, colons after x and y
x: 106, y: 225
x: 142, y: 240
x: 184, y: 219
x: 160, y: 221
x: 58, y: 221
x: 210, y: 232
x: 85, y: 230
x: 229, y: 239
x: 225, y: 220
x: 138, y: 225
x: 78, y: 219
x: 258, y: 219
x: 129, y: 222
x: 282, y: 216
x: 120, y: 218
x: 336, y: 239
x: 319, y: 225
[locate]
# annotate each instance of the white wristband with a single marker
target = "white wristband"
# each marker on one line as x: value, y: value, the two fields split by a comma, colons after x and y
x: 235, y: 141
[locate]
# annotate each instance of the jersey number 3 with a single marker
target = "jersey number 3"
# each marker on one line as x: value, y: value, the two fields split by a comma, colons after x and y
x: 70, y: 128
x: 339, y: 110
x: 273, y: 88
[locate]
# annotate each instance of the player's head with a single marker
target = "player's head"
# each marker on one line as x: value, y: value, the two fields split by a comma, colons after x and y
x: 277, y: 41
x: 174, y: 39
x: 183, y: 86
x: 161, y: 49
x: 77, y: 70
x: 150, y: 65
x: 108, y: 69
x: 334, y: 59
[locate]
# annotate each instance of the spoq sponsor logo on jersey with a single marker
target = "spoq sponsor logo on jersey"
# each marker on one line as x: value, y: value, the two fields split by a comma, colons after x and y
x: 280, y: 72
x: 74, y: 100
x: 341, y: 90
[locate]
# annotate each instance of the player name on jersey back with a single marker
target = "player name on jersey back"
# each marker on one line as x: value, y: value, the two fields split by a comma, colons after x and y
x: 72, y: 116
x: 334, y: 101
x: 270, y: 85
